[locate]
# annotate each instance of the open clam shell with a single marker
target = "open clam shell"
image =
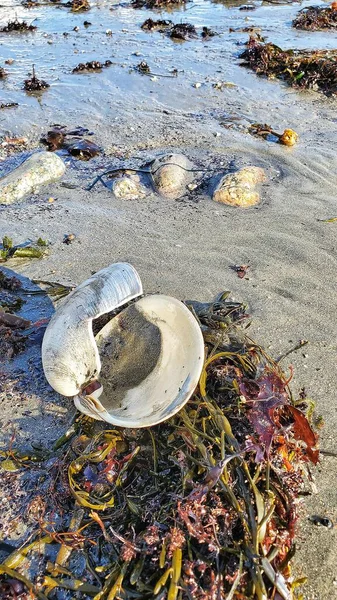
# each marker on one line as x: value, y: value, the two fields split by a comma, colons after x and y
x: 151, y: 359
x: 70, y: 356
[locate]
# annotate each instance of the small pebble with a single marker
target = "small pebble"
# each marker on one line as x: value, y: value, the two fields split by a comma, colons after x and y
x: 70, y: 237
x: 197, y: 85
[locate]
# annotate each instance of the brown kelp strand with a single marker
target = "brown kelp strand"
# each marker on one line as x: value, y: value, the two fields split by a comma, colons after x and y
x: 315, y: 18
x: 202, y: 506
x: 303, y: 69
x: 16, y: 25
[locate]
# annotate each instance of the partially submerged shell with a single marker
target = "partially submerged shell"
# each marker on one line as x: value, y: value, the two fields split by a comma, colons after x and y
x: 171, y: 173
x: 238, y: 189
x: 69, y: 353
x: 151, y: 359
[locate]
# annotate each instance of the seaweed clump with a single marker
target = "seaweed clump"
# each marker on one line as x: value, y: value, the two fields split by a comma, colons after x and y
x: 16, y: 25
x: 303, y: 69
x: 34, y: 84
x: 183, y: 31
x: 79, y: 5
x: 159, y: 25
x: 93, y: 65
x: 202, y: 506
x: 315, y: 18
x: 152, y: 4
x: 3, y: 73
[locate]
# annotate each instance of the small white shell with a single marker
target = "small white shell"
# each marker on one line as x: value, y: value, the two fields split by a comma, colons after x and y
x: 69, y: 353
x: 152, y: 355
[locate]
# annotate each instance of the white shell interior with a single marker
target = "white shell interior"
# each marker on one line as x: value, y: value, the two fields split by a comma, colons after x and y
x: 69, y: 354
x: 151, y: 356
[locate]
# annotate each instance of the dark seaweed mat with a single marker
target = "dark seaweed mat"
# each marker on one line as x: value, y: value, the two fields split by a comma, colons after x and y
x: 302, y: 69
x: 316, y: 18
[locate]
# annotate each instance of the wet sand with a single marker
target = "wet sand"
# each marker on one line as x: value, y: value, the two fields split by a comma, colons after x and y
x: 186, y: 248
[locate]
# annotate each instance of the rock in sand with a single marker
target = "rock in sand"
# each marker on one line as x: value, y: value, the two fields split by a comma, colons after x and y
x: 39, y: 169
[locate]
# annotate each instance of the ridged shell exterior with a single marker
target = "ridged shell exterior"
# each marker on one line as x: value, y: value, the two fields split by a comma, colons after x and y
x: 69, y: 353
x: 171, y: 174
x: 152, y: 355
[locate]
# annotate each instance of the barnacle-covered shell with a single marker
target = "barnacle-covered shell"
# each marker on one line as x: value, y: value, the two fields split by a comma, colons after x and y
x: 151, y: 360
x: 171, y: 173
x: 69, y: 353
x: 238, y: 189
x: 128, y: 187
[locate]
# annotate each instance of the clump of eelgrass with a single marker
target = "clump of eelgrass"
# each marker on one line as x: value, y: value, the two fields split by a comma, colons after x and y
x: 203, y: 506
x: 303, y: 69
x: 315, y: 18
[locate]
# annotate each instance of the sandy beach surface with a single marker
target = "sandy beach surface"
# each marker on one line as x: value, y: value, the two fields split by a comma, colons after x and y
x: 187, y: 247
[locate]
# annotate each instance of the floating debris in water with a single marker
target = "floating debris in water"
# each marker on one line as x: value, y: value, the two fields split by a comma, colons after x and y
x: 20, y: 26
x: 303, y: 69
x: 34, y: 84
x: 3, y: 73
x: 315, y: 18
x: 93, y: 65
